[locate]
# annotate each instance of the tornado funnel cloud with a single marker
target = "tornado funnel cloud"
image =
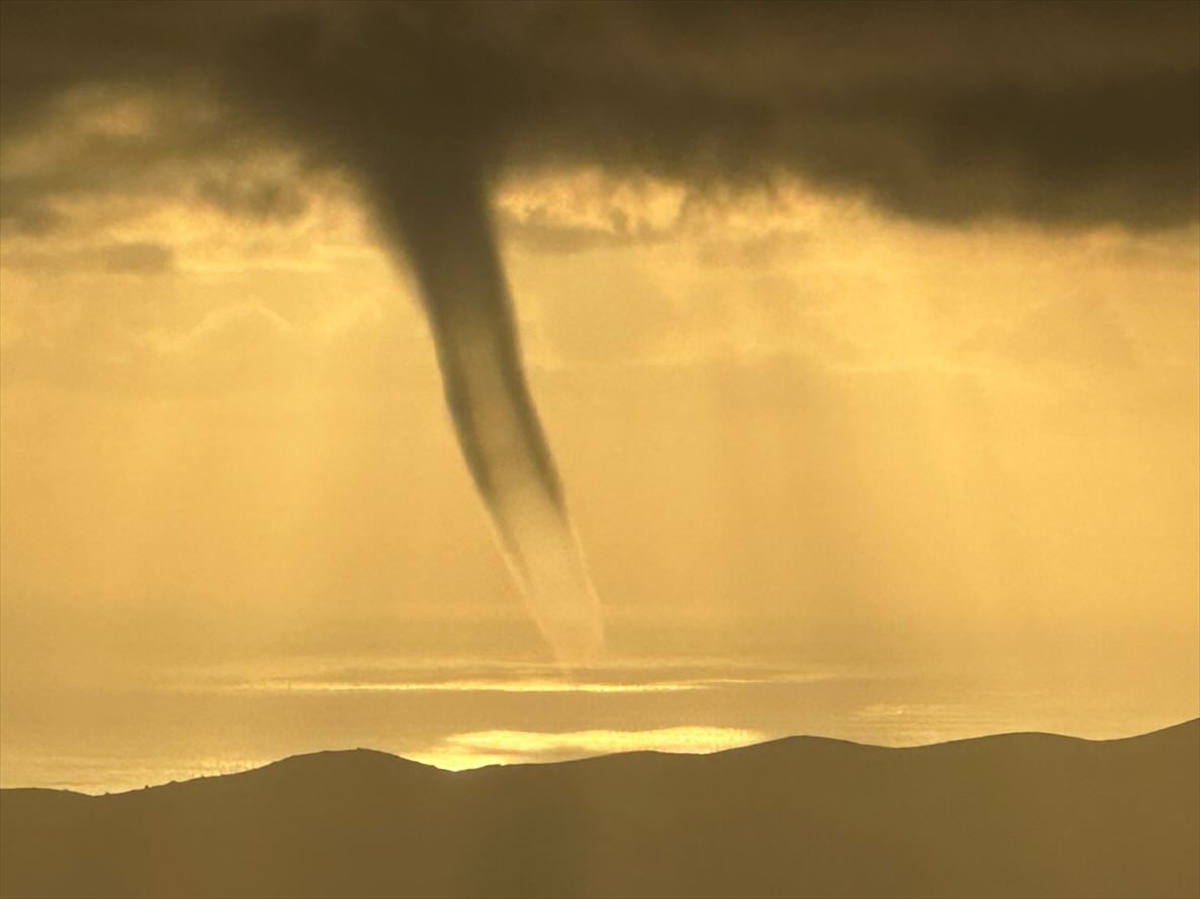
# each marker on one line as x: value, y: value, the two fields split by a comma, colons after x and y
x: 440, y: 214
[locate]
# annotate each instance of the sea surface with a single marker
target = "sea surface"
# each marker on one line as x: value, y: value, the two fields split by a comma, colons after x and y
x: 459, y: 714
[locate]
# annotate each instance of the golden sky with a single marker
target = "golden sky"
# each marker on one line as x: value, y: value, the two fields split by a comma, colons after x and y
x: 804, y: 438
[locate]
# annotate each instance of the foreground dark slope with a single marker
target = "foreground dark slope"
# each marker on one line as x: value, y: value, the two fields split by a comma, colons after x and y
x: 1018, y: 815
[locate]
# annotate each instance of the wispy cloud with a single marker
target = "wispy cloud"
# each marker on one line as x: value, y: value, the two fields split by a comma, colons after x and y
x: 456, y: 676
x: 462, y: 686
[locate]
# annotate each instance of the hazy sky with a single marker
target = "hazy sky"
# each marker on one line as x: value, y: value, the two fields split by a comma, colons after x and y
x: 866, y: 339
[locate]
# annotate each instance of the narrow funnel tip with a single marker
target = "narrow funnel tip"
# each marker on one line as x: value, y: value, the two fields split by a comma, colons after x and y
x: 547, y: 561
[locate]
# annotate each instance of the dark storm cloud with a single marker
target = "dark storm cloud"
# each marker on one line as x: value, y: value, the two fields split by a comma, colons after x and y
x: 166, y: 148
x: 1070, y: 113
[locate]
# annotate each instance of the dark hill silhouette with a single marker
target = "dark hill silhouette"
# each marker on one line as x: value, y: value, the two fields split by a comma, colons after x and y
x: 1004, y: 816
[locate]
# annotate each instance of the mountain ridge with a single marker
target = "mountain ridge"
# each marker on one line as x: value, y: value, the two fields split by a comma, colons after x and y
x: 1003, y: 815
x: 363, y: 751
